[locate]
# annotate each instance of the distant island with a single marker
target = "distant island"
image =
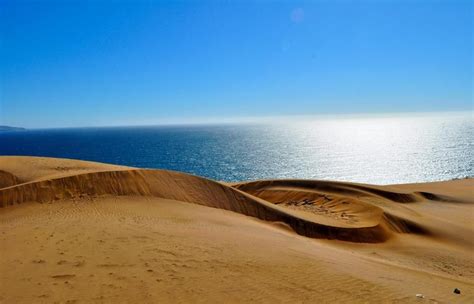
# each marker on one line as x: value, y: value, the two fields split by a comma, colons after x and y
x: 8, y: 128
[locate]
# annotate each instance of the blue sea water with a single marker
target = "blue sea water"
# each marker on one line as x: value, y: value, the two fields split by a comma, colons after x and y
x: 374, y: 149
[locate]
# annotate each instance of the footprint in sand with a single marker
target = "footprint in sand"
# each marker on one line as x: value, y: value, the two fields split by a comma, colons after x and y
x: 63, y: 276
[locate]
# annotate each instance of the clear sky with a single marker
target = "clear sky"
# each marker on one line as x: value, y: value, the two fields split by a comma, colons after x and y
x: 89, y: 63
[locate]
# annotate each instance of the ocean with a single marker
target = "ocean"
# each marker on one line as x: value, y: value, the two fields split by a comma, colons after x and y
x: 367, y: 149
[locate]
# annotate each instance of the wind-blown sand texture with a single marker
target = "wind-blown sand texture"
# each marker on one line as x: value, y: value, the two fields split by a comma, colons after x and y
x: 82, y: 232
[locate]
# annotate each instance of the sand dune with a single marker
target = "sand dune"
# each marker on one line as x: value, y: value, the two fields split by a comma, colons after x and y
x: 88, y: 232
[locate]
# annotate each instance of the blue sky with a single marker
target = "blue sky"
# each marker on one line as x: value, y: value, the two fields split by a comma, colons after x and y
x: 90, y: 63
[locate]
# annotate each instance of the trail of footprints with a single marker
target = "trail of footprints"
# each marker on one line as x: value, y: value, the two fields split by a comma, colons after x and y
x: 159, y: 266
x: 322, y: 205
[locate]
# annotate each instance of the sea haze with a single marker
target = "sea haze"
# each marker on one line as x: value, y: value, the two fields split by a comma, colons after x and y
x: 373, y: 149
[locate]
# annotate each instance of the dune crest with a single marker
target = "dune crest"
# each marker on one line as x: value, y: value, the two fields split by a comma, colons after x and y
x: 144, y: 235
x: 317, y: 209
x: 190, y: 189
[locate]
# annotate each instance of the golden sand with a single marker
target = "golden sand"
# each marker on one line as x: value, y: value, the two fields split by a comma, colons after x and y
x: 82, y: 232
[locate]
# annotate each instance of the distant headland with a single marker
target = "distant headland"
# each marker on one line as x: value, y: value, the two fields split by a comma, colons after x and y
x: 9, y: 128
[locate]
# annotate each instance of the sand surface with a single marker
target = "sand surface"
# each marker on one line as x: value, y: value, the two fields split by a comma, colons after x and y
x: 83, y: 232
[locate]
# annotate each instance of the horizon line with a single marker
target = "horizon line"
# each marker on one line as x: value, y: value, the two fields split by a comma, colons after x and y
x: 202, y: 121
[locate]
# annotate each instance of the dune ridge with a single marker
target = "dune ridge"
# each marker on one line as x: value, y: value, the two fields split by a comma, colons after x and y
x: 77, y: 231
x: 317, y: 209
x: 186, y: 188
x: 350, y: 202
x: 349, y: 189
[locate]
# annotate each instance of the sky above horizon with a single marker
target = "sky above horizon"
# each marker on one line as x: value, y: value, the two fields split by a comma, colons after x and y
x: 93, y: 63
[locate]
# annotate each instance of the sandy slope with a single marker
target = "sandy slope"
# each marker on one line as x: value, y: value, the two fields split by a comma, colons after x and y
x: 112, y: 234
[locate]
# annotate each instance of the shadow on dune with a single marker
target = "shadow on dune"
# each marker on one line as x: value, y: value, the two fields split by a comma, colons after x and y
x: 340, y: 188
x: 7, y: 179
x: 344, y: 217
